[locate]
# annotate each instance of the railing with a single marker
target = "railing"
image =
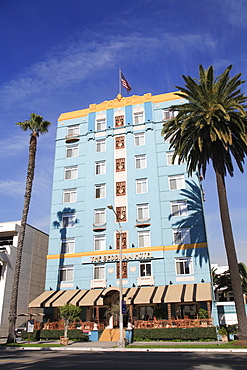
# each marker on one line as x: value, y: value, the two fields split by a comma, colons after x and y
x: 145, y: 280
x: 59, y: 325
x: 180, y: 323
x: 98, y: 283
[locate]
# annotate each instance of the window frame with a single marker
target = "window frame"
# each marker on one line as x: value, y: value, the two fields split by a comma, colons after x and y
x: 182, y: 208
x: 72, y: 193
x: 140, y: 137
x: 138, y: 118
x: 74, y: 150
x: 72, y: 170
x: 75, y: 130
x: 144, y: 273
x: 142, y: 160
x: 144, y: 209
x: 102, y: 242
x: 101, y: 214
x: 100, y: 122
x: 184, y: 236
x: 142, y: 184
x: 102, y: 190
x: 67, y: 269
x: 71, y: 245
x: 100, y: 167
x: 181, y: 261
x: 100, y: 267
x: 169, y: 156
x: 100, y: 144
x: 179, y: 180
x: 146, y: 234
x: 71, y: 221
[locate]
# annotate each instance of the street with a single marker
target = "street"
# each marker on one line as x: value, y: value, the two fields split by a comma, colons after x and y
x: 13, y: 359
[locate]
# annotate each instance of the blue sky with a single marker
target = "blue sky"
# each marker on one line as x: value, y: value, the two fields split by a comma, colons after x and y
x: 62, y: 55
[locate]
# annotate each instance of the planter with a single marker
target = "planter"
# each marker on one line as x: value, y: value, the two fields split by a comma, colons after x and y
x: 64, y: 341
x: 224, y: 338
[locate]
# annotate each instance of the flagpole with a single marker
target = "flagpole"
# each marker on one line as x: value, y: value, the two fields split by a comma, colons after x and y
x: 120, y: 83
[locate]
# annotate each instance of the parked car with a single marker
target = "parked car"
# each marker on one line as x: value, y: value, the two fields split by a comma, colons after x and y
x: 20, y: 329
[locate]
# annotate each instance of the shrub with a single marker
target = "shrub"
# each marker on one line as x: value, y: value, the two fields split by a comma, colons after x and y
x: 73, y: 334
x: 169, y: 334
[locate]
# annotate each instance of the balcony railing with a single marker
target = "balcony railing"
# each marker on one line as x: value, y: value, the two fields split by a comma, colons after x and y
x: 98, y: 283
x: 145, y: 280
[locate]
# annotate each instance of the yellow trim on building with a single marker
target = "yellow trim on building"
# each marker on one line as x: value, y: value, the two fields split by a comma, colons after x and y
x: 128, y: 250
x: 119, y: 102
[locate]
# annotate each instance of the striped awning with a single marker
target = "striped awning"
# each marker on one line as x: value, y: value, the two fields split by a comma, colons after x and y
x: 175, y: 293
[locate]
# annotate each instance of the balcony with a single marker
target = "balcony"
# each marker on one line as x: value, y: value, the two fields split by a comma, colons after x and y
x: 145, y: 280
x: 73, y: 138
x: 98, y: 283
x: 99, y: 227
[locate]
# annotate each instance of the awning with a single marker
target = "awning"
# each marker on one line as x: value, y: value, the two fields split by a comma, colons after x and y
x: 3, y: 257
x: 176, y: 293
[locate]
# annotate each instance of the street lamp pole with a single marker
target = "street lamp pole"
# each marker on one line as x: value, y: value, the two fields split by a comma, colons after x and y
x: 121, y: 343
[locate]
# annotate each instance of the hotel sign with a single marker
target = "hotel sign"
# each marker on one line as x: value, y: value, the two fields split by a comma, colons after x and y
x: 115, y: 257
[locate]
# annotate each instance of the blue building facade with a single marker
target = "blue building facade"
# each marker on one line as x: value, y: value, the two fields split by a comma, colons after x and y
x: 113, y: 154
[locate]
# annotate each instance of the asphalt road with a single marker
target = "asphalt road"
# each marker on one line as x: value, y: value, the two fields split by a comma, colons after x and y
x: 13, y: 359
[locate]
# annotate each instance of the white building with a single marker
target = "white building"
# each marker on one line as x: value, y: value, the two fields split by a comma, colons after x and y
x: 33, y: 269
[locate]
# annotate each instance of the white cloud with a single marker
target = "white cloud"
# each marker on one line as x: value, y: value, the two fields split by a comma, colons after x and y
x: 12, y: 188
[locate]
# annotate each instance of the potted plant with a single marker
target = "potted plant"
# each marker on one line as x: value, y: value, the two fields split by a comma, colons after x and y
x: 222, y: 331
x: 69, y: 313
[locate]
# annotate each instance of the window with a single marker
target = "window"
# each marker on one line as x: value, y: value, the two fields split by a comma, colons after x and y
x: 143, y: 238
x: 100, y: 124
x: 176, y: 182
x: 179, y: 208
x: 69, y: 195
x: 143, y: 211
x: 121, y: 214
x: 119, y: 142
x: 99, y: 271
x: 100, y: 191
x: 140, y: 161
x: 100, y: 167
x: 68, y: 246
x: 139, y: 139
x: 124, y: 270
x: 124, y: 241
x: 100, y: 146
x: 70, y: 173
x: 66, y: 273
x: 68, y: 220
x: 138, y: 118
x: 145, y: 268
x: 181, y: 236
x: 73, y: 130
x: 99, y: 243
x: 184, y: 266
x: 169, y: 156
x: 72, y: 151
x: 168, y: 114
x: 141, y: 186
x: 119, y: 121
x: 120, y: 188
x: 99, y: 216
x: 120, y: 164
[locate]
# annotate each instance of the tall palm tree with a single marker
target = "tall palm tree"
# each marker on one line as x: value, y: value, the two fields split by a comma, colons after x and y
x: 37, y: 126
x: 211, y: 126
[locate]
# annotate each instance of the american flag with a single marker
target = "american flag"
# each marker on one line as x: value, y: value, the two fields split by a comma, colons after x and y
x: 125, y: 83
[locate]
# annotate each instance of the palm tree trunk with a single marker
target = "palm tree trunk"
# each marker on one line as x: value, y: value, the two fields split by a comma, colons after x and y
x: 231, y: 256
x: 29, y: 184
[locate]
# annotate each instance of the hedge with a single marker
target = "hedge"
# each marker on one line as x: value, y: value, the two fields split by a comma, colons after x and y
x: 73, y: 334
x: 183, y: 334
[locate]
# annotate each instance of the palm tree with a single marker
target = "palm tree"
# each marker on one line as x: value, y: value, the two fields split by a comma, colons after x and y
x: 37, y: 126
x: 211, y: 126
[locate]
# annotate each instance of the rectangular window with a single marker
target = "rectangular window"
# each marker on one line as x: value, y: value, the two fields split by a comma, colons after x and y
x: 179, y: 208
x: 68, y: 220
x: 100, y: 146
x: 184, y: 266
x: 99, y: 243
x: 69, y: 195
x: 169, y: 156
x: 145, y: 268
x: 121, y: 214
x: 139, y: 139
x: 99, y: 271
x: 99, y: 216
x: 140, y: 161
x: 142, y: 211
x: 141, y: 186
x: 100, y: 191
x: 100, y: 167
x: 120, y: 164
x: 68, y: 246
x: 119, y: 142
x: 181, y: 236
x: 100, y: 124
x: 168, y: 114
x: 70, y: 173
x: 72, y: 151
x: 124, y: 241
x: 143, y: 239
x: 66, y: 273
x: 124, y: 270
x: 176, y: 182
x: 73, y: 130
x: 138, y: 118
x: 120, y: 188
x: 119, y: 121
